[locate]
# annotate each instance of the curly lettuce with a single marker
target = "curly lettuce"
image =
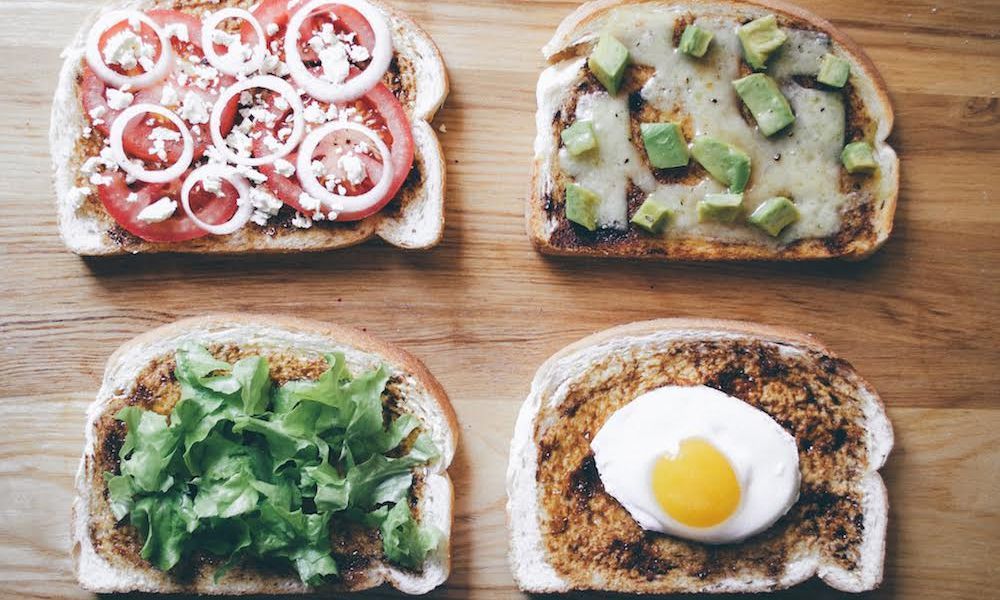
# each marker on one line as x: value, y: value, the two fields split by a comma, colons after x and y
x: 244, y: 469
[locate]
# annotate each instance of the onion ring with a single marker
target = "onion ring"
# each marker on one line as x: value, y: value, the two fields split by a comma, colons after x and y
x: 139, y: 172
x: 352, y: 89
x: 336, y: 202
x: 210, y: 24
x: 268, y: 82
x: 108, y: 75
x: 244, y: 207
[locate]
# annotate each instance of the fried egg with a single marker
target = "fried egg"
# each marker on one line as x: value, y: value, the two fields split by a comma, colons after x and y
x: 699, y: 464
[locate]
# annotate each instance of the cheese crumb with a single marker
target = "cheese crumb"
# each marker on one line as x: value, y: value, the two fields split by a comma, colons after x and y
x: 194, y: 110
x: 353, y: 167
x: 125, y: 48
x: 77, y: 195
x: 170, y: 98
x: 119, y: 100
x: 158, y: 212
x: 284, y: 168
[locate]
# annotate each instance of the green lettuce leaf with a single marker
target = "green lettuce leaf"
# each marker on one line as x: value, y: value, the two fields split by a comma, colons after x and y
x: 404, y: 541
x: 166, y: 523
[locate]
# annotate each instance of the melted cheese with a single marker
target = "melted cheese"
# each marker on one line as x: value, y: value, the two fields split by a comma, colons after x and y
x: 802, y: 163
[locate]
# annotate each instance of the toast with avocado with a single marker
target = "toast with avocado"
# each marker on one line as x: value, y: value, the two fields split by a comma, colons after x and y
x: 687, y: 403
x: 237, y: 454
x: 193, y: 127
x: 735, y: 130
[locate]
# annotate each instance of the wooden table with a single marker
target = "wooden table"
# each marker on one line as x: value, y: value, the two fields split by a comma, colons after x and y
x: 919, y: 320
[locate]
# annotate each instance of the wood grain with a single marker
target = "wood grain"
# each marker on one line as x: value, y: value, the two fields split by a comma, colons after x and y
x: 483, y: 311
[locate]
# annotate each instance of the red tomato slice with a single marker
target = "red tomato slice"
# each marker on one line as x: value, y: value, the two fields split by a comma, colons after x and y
x: 385, y: 115
x: 136, y: 139
x: 276, y: 12
x: 145, y: 32
x: 179, y: 227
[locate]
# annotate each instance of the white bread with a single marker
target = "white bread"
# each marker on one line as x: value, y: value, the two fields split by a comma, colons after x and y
x: 417, y: 225
x: 566, y: 53
x: 529, y: 557
x: 423, y: 397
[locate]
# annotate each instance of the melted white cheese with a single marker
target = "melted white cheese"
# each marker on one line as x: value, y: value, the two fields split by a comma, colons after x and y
x: 802, y: 163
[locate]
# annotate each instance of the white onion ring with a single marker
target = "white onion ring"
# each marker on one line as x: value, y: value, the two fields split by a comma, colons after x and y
x: 244, y: 208
x: 351, y: 89
x: 336, y: 202
x: 109, y: 76
x: 268, y: 82
x: 141, y: 173
x: 209, y: 25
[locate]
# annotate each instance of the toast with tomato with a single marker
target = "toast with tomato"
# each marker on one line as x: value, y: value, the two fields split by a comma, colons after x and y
x: 235, y: 454
x: 206, y: 127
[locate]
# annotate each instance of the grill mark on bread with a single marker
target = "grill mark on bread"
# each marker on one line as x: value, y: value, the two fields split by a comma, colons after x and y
x: 156, y: 389
x: 590, y: 535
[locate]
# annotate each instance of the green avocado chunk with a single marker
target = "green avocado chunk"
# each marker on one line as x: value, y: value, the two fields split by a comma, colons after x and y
x: 729, y: 165
x: 695, y: 41
x: 723, y: 208
x: 581, y: 206
x: 608, y: 62
x: 774, y: 215
x: 665, y: 145
x: 579, y: 137
x: 652, y: 216
x: 833, y: 71
x: 859, y: 158
x: 769, y: 106
x: 760, y: 39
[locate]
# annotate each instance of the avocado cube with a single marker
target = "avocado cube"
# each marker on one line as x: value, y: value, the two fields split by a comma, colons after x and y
x: 581, y: 206
x: 766, y: 102
x: 760, y: 39
x: 725, y: 163
x: 834, y: 71
x: 579, y: 137
x: 859, y: 158
x: 608, y: 62
x: 665, y: 145
x: 722, y: 208
x: 652, y: 216
x: 695, y: 41
x: 774, y: 215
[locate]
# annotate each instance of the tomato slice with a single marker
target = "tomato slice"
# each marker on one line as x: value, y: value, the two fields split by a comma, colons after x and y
x: 179, y: 227
x: 277, y: 13
x: 136, y: 139
x: 382, y: 113
x: 147, y: 35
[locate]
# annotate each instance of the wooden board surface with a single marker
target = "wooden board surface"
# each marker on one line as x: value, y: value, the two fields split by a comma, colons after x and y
x: 919, y: 320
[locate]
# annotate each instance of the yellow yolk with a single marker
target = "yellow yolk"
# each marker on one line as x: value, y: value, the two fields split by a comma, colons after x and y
x: 698, y: 486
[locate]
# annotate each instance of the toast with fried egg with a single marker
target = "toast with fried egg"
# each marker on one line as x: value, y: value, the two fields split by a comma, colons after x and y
x: 841, y: 214
x: 109, y: 555
x: 413, y: 220
x: 569, y: 533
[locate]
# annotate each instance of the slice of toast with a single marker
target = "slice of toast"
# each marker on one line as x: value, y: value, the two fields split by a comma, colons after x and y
x: 414, y: 220
x: 567, y: 533
x: 845, y: 215
x: 106, y: 555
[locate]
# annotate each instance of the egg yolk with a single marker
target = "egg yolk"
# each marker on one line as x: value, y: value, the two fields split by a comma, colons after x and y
x: 697, y: 487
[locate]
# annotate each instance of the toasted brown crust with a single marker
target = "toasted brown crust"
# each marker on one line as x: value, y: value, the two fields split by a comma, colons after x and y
x: 589, y: 539
x: 279, y: 236
x: 356, y: 550
x: 866, y: 228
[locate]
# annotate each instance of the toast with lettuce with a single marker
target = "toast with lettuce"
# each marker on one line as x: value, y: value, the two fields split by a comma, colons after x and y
x: 252, y: 455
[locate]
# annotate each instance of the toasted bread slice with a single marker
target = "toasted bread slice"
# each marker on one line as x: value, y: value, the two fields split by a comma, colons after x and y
x: 106, y: 555
x: 844, y: 215
x: 567, y: 533
x: 414, y: 220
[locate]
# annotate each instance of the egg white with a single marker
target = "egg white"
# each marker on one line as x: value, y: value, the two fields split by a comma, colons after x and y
x: 763, y: 455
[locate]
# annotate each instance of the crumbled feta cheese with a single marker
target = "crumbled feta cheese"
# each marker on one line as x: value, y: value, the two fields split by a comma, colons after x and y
x: 77, y: 195
x: 308, y: 203
x: 353, y: 168
x: 272, y: 29
x: 160, y: 136
x: 170, y: 98
x: 443, y: 128
x: 132, y: 198
x: 178, y: 31
x: 318, y: 169
x: 125, y: 48
x: 336, y: 66
x: 212, y: 185
x: 284, y: 168
x: 301, y: 221
x: 194, y: 109
x: 87, y: 131
x: 358, y: 53
x: 98, y: 111
x: 314, y: 114
x: 239, y: 142
x: 158, y: 212
x: 272, y: 144
x: 265, y: 205
x: 98, y: 179
x: 119, y: 100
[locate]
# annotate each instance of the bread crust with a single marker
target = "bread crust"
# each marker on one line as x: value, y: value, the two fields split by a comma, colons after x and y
x: 437, y: 502
x: 413, y: 221
x: 528, y: 554
x: 571, y: 38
